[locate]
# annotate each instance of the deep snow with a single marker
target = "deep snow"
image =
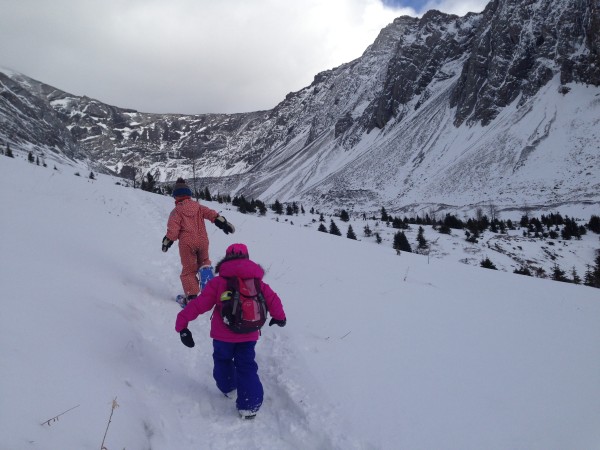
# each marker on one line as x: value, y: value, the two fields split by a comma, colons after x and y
x: 381, y: 351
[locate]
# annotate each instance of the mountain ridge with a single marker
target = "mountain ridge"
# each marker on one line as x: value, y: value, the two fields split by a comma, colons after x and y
x: 443, y: 111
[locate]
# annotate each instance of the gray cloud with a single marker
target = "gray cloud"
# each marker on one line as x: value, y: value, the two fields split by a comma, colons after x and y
x: 190, y: 56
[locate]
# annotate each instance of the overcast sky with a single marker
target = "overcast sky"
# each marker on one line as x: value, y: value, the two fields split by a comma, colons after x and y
x: 194, y: 56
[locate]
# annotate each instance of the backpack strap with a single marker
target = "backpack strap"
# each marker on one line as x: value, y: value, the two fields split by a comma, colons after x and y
x: 233, y: 285
x: 259, y: 295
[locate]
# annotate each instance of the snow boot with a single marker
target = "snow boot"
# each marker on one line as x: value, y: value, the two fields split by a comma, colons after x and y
x: 205, y: 274
x: 247, y: 415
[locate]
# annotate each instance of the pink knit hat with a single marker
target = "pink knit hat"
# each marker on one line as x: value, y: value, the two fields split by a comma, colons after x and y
x: 237, y: 249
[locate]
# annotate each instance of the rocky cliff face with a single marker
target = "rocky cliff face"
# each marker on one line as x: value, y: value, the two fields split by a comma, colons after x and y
x: 500, y: 107
x: 29, y: 119
x: 522, y: 46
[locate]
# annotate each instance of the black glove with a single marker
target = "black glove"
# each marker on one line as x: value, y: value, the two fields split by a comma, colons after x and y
x: 221, y: 223
x: 166, y: 244
x: 186, y: 338
x: 281, y: 323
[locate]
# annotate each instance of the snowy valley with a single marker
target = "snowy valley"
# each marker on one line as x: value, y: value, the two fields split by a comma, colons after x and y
x: 381, y: 351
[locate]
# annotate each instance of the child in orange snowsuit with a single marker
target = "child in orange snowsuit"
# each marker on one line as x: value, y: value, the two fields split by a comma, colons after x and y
x: 186, y: 224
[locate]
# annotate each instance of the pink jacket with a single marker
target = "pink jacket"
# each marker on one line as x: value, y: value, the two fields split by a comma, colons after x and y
x: 186, y: 222
x: 210, y: 296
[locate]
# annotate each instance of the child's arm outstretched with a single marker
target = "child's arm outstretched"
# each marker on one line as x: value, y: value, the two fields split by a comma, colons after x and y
x: 274, y: 306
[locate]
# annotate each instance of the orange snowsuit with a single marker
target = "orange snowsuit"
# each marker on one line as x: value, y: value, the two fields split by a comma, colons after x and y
x: 186, y: 224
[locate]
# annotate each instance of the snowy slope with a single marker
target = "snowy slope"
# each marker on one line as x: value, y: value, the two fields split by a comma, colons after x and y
x: 380, y: 351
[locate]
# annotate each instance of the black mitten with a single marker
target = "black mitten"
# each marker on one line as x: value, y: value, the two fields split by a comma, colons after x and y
x: 186, y: 338
x: 221, y: 223
x: 278, y: 322
x: 166, y: 244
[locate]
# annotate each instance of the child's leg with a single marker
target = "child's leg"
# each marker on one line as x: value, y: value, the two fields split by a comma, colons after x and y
x: 202, y: 256
x: 189, y: 279
x: 249, y: 388
x: 224, y: 369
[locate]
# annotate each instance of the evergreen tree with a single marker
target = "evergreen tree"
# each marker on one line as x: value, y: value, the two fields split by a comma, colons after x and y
x: 384, y: 215
x: 576, y: 279
x: 494, y: 226
x: 472, y: 236
x: 571, y: 229
x: 207, y: 195
x: 289, y: 210
x: 262, y: 209
x: 452, y: 221
x: 333, y: 229
x: 523, y: 271
x: 252, y: 206
x: 421, y: 238
x: 350, y: 234
x: 596, y: 272
x: 92, y: 176
x: 277, y: 207
x: 483, y: 223
x: 367, y: 231
x: 344, y: 217
x: 558, y: 274
x: 30, y: 158
x: 321, y: 218
x: 535, y: 225
x: 241, y: 203
x: 401, y: 243
x: 592, y: 274
x: 322, y: 228
x: 487, y: 264
x: 444, y: 229
x: 594, y: 224
x: 397, y: 222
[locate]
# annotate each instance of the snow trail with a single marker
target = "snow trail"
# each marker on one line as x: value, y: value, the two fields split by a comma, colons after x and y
x: 380, y: 351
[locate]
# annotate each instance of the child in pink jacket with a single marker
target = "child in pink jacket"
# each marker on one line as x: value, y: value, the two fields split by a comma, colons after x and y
x: 235, y: 369
x: 186, y: 224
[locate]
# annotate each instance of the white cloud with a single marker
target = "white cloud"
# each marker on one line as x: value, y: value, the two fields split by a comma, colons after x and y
x: 189, y: 56
x: 458, y: 7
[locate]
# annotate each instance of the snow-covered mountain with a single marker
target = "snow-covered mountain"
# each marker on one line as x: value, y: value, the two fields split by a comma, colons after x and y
x: 500, y: 107
x: 380, y: 351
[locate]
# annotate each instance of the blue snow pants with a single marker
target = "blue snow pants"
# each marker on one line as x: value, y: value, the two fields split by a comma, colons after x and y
x: 235, y: 368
